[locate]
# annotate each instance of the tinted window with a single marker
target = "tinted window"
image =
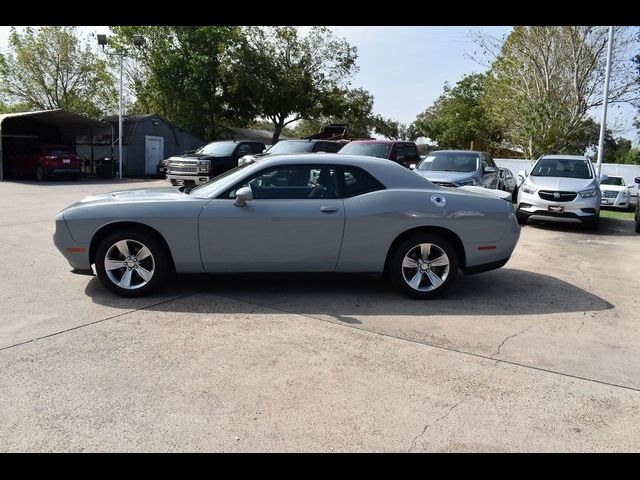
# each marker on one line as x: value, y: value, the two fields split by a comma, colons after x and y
x: 367, y: 149
x: 288, y: 146
x: 291, y: 182
x: 357, y: 182
x: 398, y: 151
x: 412, y: 153
x: 614, y: 181
x: 243, y: 149
x: 562, y: 167
x: 257, y: 147
x: 489, y: 160
x: 452, y: 162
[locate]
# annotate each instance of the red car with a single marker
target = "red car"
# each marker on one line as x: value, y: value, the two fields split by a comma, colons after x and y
x: 50, y: 160
x: 404, y: 153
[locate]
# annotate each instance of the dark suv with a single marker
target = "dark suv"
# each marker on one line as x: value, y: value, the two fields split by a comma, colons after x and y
x: 404, y: 153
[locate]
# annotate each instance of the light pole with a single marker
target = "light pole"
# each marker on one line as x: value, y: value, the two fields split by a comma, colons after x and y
x: 138, y: 41
x: 603, y: 122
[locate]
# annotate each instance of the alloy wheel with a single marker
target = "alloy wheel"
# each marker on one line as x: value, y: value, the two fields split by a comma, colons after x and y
x: 425, y: 267
x: 129, y: 264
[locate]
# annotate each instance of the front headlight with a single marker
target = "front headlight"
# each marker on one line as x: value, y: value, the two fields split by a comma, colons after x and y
x: 588, y: 193
x: 467, y: 182
x: 203, y: 166
x: 624, y: 194
x: 526, y: 188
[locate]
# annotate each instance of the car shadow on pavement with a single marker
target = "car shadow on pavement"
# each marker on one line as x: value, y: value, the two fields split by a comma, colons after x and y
x: 608, y: 227
x: 342, y: 296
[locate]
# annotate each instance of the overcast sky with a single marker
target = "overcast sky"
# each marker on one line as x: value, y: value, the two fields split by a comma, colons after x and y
x: 405, y: 67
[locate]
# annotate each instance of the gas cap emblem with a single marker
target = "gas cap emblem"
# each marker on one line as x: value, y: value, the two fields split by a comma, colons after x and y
x: 438, y: 200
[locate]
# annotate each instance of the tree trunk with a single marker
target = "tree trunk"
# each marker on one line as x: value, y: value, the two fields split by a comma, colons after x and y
x: 278, y: 126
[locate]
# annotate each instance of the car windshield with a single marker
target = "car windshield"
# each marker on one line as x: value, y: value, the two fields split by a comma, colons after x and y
x: 290, y: 147
x: 206, y: 189
x: 218, y: 148
x: 617, y: 181
x: 562, y: 167
x: 380, y: 150
x: 450, y: 162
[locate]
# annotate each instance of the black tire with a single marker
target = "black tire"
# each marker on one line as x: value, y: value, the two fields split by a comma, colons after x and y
x: 160, y: 257
x: 592, y: 223
x: 396, y: 271
x: 40, y: 174
x: 637, y: 220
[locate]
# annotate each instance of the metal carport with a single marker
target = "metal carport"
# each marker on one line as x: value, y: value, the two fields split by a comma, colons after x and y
x: 54, y: 126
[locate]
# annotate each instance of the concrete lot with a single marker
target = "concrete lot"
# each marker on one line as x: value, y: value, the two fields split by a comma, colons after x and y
x: 541, y: 355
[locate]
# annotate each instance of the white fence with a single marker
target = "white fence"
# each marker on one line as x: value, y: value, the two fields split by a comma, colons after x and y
x: 628, y: 172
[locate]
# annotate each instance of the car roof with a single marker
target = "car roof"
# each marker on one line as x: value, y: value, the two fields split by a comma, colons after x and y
x: 382, y: 141
x: 566, y: 157
x: 389, y: 173
x: 456, y: 151
x: 307, y: 140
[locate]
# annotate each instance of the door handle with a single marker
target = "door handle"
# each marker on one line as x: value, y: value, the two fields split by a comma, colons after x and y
x: 328, y: 209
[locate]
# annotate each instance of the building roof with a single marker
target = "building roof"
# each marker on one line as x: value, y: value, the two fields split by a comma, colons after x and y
x: 58, y: 117
x: 135, y: 117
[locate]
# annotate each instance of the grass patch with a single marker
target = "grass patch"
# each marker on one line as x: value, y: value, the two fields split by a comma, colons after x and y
x: 619, y: 214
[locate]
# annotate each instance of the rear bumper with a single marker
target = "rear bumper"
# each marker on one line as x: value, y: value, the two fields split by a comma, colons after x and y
x: 485, y: 267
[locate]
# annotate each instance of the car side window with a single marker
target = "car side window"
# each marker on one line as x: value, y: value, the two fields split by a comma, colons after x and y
x: 355, y: 181
x: 412, y: 154
x: 291, y: 182
x: 243, y: 149
x: 319, y: 147
x: 257, y: 147
x: 397, y: 151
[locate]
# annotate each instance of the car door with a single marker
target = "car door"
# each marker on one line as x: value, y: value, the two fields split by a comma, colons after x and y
x: 293, y: 223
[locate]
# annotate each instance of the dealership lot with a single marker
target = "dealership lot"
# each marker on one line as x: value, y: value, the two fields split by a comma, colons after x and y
x: 540, y: 355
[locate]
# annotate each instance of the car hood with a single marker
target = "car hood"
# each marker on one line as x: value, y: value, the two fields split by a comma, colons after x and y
x: 143, y: 195
x: 561, y: 184
x: 194, y: 157
x: 437, y: 176
x: 487, y: 192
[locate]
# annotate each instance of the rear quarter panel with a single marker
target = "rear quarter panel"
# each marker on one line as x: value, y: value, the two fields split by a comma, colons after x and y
x: 374, y: 220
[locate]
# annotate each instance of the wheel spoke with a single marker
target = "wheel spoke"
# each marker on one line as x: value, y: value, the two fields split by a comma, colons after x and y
x: 125, y: 281
x: 425, y: 250
x: 123, y: 248
x: 113, y: 264
x: 409, y: 263
x: 143, y: 253
x: 441, y: 261
x: 144, y: 273
x: 415, y: 281
x: 436, y: 281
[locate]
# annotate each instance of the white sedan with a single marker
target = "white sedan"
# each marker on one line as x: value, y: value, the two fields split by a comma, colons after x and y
x: 615, y: 193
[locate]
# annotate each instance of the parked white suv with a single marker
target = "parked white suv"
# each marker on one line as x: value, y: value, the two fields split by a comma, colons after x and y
x: 562, y: 188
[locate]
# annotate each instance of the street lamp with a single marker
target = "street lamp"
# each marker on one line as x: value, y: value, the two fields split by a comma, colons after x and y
x: 138, y: 42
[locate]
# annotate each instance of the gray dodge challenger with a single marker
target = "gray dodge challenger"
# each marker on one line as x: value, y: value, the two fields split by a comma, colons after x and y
x: 292, y: 213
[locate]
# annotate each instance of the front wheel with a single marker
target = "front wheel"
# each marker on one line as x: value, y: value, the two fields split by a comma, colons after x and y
x: 424, y: 265
x: 131, y: 262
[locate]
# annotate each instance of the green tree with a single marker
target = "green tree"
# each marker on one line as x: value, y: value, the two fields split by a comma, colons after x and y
x: 545, y: 81
x: 289, y: 77
x: 182, y: 74
x: 52, y: 67
x: 392, y: 129
x: 352, y: 107
x: 458, y: 116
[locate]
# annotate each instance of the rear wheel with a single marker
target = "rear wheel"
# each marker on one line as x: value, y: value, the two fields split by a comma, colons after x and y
x: 132, y: 263
x: 424, y: 265
x: 522, y: 219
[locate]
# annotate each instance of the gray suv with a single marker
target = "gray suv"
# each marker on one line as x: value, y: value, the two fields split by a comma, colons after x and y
x: 457, y: 168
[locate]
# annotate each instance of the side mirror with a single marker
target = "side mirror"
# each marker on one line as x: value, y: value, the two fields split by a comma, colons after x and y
x: 412, y: 166
x: 637, y: 180
x: 243, y: 195
x: 604, y: 178
x: 490, y: 169
x: 522, y: 173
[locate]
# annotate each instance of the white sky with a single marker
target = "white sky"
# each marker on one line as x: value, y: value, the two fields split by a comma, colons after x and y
x: 405, y: 67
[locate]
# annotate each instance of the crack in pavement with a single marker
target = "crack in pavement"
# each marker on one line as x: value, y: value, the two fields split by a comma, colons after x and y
x: 580, y: 327
x: 510, y: 337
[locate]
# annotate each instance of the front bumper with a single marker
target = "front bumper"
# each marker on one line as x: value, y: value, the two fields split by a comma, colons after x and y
x: 619, y: 201
x: 574, y: 211
x: 76, y: 253
x: 186, y: 180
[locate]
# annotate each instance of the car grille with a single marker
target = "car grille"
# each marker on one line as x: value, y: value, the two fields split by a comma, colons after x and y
x: 609, y: 194
x: 182, y: 167
x: 445, y: 184
x: 561, y: 197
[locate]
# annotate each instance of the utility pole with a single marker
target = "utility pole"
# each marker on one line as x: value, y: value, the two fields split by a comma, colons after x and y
x: 603, y: 121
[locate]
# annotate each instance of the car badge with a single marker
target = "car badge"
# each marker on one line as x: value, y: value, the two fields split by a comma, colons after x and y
x: 556, y: 195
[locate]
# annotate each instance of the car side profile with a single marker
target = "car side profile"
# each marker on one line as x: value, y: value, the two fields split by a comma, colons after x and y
x: 45, y: 161
x: 292, y: 213
x: 403, y: 153
x: 457, y: 168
